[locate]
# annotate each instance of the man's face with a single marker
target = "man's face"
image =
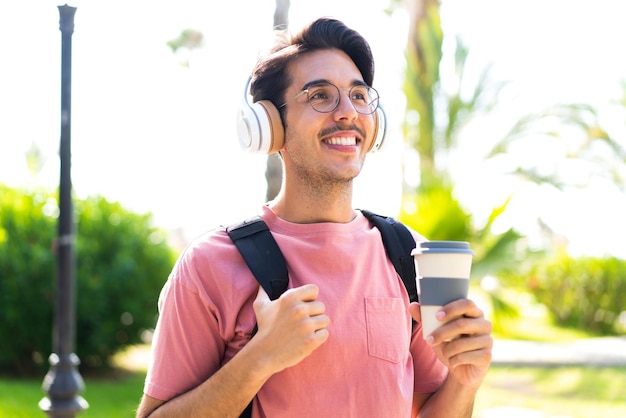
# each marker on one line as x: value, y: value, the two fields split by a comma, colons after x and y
x: 325, y: 147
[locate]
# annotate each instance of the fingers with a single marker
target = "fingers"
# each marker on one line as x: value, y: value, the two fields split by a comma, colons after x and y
x: 305, y: 293
x: 305, y: 307
x: 464, y: 344
x: 465, y: 320
x: 290, y: 327
x: 303, y: 301
x: 461, y: 307
x: 468, y: 358
x: 474, y: 351
x: 320, y: 336
x: 295, y: 306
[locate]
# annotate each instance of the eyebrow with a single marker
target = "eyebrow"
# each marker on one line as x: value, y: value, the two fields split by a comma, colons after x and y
x: 317, y: 82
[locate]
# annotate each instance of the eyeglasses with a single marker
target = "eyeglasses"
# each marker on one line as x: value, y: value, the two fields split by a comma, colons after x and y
x: 324, y: 98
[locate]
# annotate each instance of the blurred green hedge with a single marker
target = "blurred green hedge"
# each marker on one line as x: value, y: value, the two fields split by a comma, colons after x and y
x: 586, y: 293
x: 122, y: 262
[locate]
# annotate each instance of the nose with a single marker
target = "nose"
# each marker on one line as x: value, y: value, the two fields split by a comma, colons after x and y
x: 345, y: 109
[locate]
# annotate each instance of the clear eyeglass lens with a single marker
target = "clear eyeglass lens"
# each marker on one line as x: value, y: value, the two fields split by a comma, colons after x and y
x: 325, y: 98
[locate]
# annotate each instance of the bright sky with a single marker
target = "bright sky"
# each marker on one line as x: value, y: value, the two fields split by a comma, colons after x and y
x: 160, y: 137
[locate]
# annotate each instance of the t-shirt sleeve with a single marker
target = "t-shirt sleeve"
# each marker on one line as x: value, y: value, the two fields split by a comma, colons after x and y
x: 182, y: 354
x: 204, y: 317
x: 429, y: 372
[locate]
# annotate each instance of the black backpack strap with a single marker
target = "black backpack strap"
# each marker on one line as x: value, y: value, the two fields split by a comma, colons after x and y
x: 262, y: 255
x: 399, y: 243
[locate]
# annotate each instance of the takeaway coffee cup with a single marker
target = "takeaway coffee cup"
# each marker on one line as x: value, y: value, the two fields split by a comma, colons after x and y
x: 443, y: 271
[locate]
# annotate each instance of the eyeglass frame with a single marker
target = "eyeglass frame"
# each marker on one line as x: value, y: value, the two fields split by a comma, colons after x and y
x: 317, y: 83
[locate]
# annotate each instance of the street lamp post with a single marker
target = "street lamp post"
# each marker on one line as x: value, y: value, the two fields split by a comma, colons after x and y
x: 63, y: 382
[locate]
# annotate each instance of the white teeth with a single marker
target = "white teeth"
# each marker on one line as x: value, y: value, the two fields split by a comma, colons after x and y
x: 342, y: 140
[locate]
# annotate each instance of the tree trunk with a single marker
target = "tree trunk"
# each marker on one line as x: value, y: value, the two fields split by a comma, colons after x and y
x: 274, y: 167
x: 423, y: 56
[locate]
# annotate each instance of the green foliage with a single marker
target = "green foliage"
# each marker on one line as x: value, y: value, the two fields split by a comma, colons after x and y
x: 498, y: 252
x: 439, y: 215
x: 27, y: 272
x: 585, y: 293
x: 189, y: 38
x: 121, y: 264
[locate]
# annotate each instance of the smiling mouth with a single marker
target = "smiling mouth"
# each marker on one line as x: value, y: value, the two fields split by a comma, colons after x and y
x: 342, y: 140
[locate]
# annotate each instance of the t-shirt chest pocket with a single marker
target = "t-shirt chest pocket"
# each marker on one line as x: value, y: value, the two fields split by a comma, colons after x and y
x: 387, y: 331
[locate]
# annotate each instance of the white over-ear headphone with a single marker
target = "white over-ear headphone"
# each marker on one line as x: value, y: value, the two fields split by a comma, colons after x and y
x: 260, y: 129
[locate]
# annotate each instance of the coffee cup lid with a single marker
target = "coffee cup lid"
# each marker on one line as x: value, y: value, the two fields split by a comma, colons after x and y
x: 432, y: 247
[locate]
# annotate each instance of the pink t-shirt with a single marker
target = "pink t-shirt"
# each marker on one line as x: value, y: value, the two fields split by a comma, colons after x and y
x: 370, y: 365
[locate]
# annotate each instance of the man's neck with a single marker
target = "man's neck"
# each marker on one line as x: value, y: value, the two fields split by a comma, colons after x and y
x: 301, y: 205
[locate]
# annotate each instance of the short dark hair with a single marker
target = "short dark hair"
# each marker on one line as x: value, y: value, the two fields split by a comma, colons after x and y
x: 269, y: 78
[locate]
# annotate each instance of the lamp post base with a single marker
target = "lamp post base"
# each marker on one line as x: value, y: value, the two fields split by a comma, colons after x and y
x: 62, y: 384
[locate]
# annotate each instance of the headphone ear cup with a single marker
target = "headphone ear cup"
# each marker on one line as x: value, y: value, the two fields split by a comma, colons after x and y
x: 274, y: 133
x: 259, y: 127
x: 380, y: 130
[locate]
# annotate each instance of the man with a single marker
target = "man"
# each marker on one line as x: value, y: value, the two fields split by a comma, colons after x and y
x: 339, y: 342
